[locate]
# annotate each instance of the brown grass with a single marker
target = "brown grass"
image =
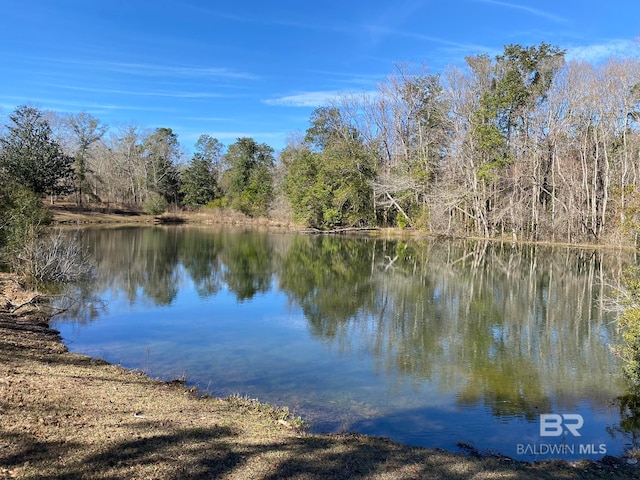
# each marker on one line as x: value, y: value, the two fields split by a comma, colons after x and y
x: 67, y: 416
x: 69, y: 214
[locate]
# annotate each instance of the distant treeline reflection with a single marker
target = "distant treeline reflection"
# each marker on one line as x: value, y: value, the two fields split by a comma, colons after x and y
x: 508, y: 326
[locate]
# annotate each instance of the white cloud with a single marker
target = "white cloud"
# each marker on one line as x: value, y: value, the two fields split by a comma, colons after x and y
x: 142, y: 69
x: 141, y: 92
x: 465, y: 48
x: 61, y: 104
x: 305, y: 99
x: 603, y: 51
x: 313, y: 99
x: 147, y: 69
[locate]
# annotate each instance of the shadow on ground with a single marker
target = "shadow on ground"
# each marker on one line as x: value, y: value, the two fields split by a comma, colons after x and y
x: 216, y: 453
x: 65, y: 416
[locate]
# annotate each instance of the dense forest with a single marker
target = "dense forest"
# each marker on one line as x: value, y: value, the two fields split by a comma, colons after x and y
x: 522, y: 146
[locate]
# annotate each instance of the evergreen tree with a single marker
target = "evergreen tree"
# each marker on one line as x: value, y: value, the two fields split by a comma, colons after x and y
x: 304, y: 185
x: 329, y: 179
x: 248, y: 178
x: 30, y: 157
x: 199, y: 181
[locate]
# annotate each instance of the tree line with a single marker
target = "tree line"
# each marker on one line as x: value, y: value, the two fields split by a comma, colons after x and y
x: 524, y: 145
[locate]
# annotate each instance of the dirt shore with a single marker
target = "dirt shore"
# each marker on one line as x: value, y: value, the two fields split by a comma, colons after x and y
x: 67, y: 416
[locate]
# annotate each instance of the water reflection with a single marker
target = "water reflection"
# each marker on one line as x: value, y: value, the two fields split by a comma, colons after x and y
x: 513, y: 331
x: 628, y: 428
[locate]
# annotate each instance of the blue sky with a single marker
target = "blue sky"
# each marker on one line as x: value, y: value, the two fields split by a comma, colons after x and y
x: 259, y: 68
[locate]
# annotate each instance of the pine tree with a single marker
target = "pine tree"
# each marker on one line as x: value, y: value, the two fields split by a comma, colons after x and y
x: 30, y: 157
x: 199, y: 181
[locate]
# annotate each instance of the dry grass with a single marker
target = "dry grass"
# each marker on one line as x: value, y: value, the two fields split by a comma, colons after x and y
x: 67, y: 416
x: 68, y: 214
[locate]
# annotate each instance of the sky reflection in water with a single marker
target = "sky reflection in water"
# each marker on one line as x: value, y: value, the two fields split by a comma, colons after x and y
x: 426, y: 342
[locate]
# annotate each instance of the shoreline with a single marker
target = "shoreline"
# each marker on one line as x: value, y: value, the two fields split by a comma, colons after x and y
x: 65, y: 415
x: 68, y: 216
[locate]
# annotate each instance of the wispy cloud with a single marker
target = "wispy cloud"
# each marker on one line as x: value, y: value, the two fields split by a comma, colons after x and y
x: 233, y: 135
x: 524, y: 8
x: 275, y: 21
x: 45, y: 64
x: 452, y: 45
x: 393, y: 17
x: 305, y: 99
x: 600, y: 52
x: 206, y: 119
x: 350, y: 78
x: 148, y: 69
x: 55, y: 104
x: 313, y: 99
x: 141, y: 92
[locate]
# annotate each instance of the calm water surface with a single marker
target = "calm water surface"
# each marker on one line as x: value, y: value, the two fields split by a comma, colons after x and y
x: 427, y: 342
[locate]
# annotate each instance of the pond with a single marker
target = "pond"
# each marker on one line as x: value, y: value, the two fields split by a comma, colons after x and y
x: 505, y: 348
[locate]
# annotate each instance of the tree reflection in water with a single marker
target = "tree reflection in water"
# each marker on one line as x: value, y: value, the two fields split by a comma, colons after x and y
x: 517, y: 329
x: 629, y: 426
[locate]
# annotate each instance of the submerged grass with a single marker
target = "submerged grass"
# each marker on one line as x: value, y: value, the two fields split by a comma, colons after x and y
x: 68, y: 416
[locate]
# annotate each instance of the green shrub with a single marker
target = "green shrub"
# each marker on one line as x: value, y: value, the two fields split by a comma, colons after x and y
x: 629, y: 323
x: 23, y: 219
x: 154, y: 204
x: 331, y: 217
x: 222, y: 202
